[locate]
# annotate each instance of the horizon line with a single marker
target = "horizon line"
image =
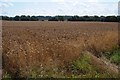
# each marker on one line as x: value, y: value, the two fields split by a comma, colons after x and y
x: 59, y: 15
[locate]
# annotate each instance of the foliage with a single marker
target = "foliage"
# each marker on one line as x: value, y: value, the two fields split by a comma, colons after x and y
x: 53, y: 19
x: 81, y: 68
x: 115, y: 57
x: 63, y: 18
x: 111, y: 19
x: 82, y: 64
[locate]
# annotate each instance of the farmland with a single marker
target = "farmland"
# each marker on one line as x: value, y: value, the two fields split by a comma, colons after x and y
x: 60, y: 49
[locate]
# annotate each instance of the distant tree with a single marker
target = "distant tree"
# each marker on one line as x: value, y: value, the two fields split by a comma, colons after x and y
x: 28, y: 18
x: 96, y: 18
x: 102, y: 18
x: 70, y: 19
x: 53, y: 19
x: 11, y: 18
x: 118, y: 17
x: 111, y: 19
x: 81, y: 19
x: 60, y: 18
x: 0, y: 17
x: 34, y: 18
x: 5, y: 18
x: 74, y: 18
x: 17, y: 18
x: 23, y: 18
x: 86, y: 18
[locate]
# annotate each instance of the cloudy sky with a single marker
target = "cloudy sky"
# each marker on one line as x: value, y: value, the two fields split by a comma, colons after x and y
x: 58, y: 7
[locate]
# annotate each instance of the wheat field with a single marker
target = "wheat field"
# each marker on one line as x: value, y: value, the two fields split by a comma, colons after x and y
x: 48, y: 49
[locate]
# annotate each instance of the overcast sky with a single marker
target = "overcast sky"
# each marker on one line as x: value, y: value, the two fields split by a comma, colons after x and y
x: 58, y: 7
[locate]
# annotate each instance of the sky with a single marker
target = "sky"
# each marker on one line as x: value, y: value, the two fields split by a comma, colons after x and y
x: 59, y: 7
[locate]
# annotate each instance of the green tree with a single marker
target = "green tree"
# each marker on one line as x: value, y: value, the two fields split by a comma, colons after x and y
x: 102, y: 18
x: 60, y: 18
x: 5, y: 18
x: 111, y: 19
x: 53, y: 19
x: 34, y: 18
x: 28, y: 18
x: 17, y: 18
x: 23, y: 18
x: 74, y: 18
x: 96, y: 18
x: 86, y: 18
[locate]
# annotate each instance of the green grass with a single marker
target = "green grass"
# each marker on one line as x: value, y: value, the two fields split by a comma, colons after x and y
x: 6, y: 76
x: 82, y: 64
x: 115, y: 57
x: 83, y: 69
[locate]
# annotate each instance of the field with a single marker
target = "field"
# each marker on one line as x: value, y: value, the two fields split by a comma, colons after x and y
x: 38, y: 49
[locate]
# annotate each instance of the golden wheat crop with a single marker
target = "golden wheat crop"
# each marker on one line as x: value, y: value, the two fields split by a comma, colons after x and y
x: 52, y: 46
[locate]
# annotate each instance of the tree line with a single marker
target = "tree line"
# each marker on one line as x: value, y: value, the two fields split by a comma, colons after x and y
x: 63, y: 18
x: 20, y: 18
